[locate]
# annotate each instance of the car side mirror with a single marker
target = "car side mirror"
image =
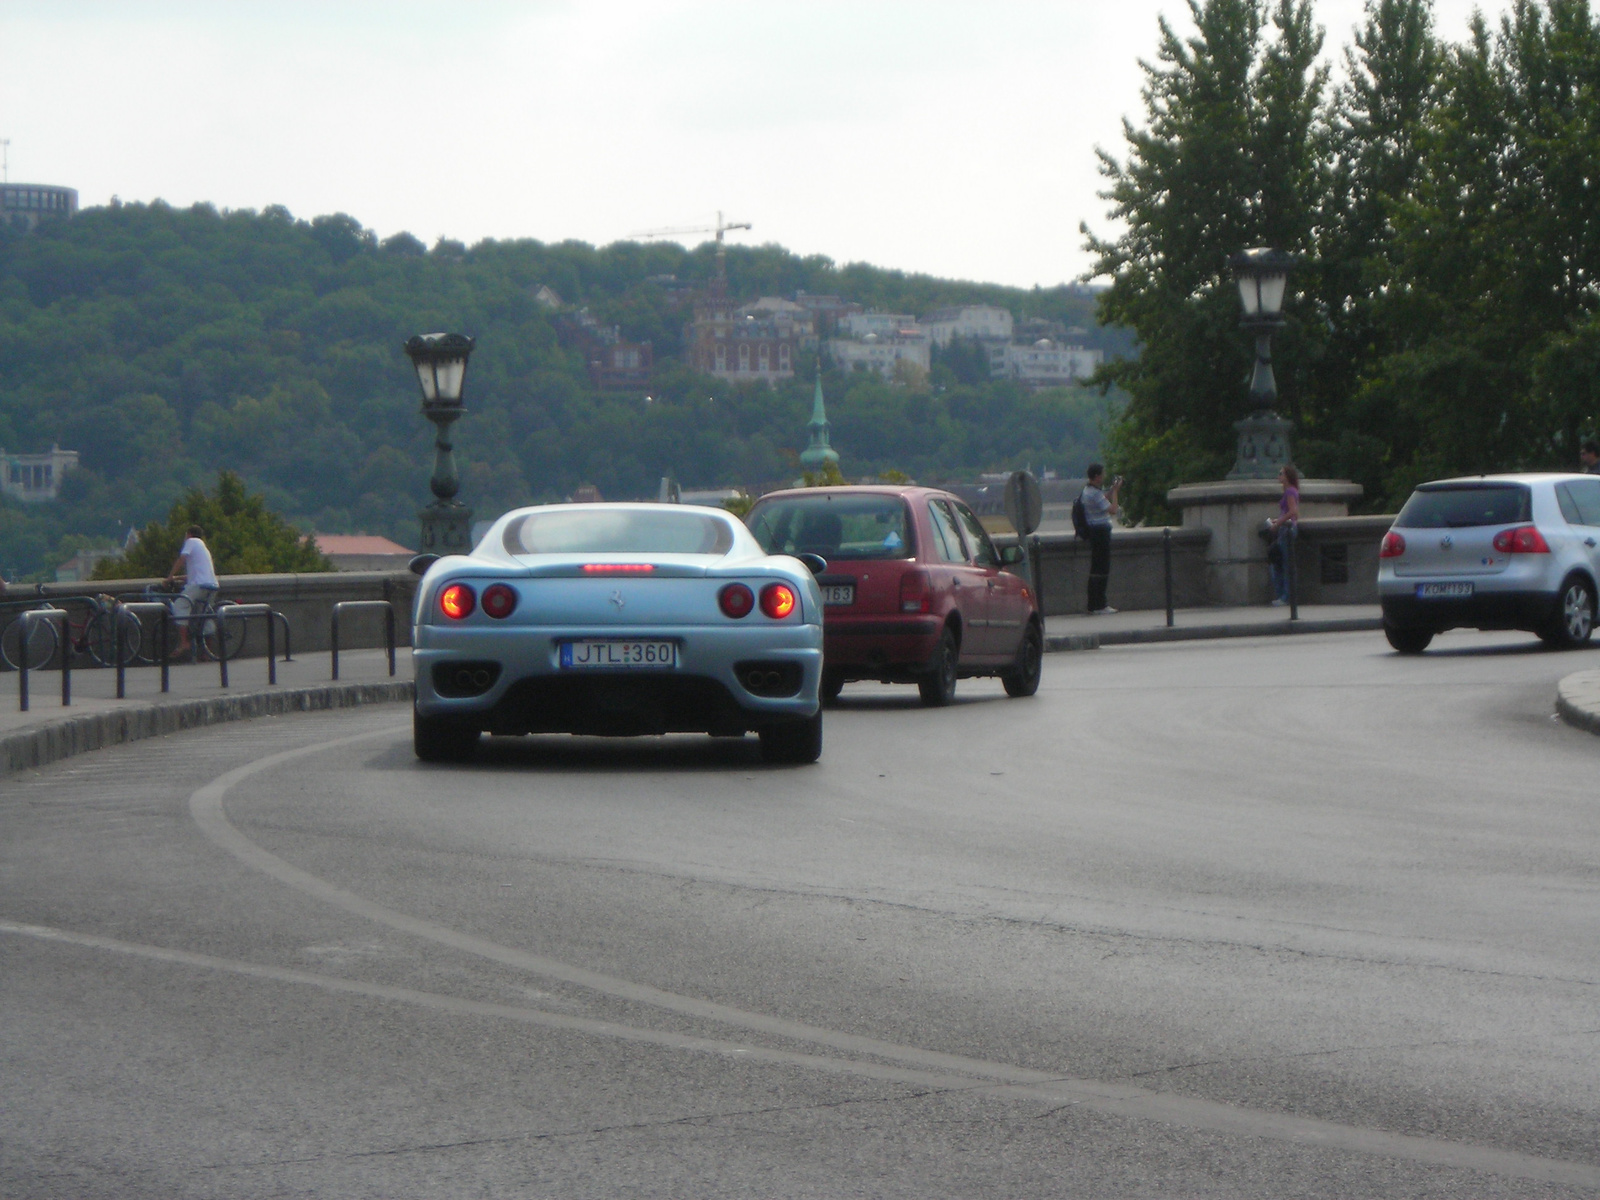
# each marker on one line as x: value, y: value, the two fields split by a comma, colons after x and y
x: 1012, y: 555
x: 420, y: 564
x: 815, y: 563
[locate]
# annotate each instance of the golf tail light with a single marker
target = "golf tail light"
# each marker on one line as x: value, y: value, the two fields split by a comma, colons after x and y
x: 915, y: 594
x: 1524, y: 539
x: 457, y: 601
x: 736, y: 601
x: 1393, y: 545
x: 499, y: 601
x: 778, y: 600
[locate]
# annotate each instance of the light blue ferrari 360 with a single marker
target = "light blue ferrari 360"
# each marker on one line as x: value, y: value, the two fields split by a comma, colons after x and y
x: 618, y: 620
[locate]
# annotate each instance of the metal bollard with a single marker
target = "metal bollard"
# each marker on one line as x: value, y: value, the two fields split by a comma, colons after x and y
x: 1289, y: 565
x: 1166, y: 557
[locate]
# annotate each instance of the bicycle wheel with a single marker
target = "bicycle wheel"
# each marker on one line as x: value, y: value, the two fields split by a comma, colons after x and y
x: 42, y: 639
x: 97, y: 638
x: 222, y: 635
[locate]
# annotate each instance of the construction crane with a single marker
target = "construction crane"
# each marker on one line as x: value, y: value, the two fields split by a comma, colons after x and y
x: 720, y: 228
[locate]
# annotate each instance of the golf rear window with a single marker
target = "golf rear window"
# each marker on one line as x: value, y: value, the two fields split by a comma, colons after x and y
x: 837, y: 527
x: 667, y: 530
x: 1459, y: 506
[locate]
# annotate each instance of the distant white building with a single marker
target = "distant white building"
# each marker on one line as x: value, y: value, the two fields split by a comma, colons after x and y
x: 984, y: 321
x: 881, y: 354
x: 1047, y: 364
x: 858, y: 325
x: 34, y: 478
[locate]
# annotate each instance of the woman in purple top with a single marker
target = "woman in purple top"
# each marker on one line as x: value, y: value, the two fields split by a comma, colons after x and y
x: 1283, y: 545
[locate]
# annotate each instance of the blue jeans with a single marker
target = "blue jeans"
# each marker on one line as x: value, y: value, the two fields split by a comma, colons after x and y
x: 1279, y: 570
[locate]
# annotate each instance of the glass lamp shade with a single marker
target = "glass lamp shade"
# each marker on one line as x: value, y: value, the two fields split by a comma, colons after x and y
x: 441, y: 363
x: 1263, y: 280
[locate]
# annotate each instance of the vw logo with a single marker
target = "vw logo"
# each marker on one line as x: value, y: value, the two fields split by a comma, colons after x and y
x: 1446, y: 542
x: 616, y: 598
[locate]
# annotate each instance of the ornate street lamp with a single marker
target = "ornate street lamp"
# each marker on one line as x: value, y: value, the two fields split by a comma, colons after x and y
x: 441, y: 363
x: 1263, y: 276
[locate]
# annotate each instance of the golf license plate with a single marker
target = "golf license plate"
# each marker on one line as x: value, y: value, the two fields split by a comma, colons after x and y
x: 838, y: 593
x: 601, y: 654
x: 1443, y: 591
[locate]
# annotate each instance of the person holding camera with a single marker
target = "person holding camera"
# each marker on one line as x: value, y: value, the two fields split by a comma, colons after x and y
x: 1099, y: 506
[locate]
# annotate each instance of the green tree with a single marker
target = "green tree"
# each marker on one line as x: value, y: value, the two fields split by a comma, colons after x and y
x: 244, y: 537
x: 1227, y: 160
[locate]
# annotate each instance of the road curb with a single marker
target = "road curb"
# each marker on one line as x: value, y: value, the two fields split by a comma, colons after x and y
x: 1193, y: 633
x: 54, y: 740
x: 1578, y: 700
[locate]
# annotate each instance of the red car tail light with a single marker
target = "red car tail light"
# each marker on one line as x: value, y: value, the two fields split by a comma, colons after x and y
x: 457, y: 601
x: 916, y: 595
x: 778, y: 600
x: 736, y: 601
x: 499, y: 601
x: 618, y: 568
x: 1393, y: 545
x: 1524, y: 539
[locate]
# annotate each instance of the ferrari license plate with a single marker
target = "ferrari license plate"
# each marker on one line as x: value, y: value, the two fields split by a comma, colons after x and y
x: 614, y: 653
x: 1443, y: 591
x: 838, y: 593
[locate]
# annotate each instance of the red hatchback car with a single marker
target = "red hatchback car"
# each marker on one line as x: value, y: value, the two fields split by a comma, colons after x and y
x: 914, y: 590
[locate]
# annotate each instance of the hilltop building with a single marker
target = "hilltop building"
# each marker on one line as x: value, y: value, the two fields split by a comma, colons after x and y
x: 35, y: 478
x: 754, y: 344
x: 1046, y: 364
x: 24, y: 205
x: 614, y: 364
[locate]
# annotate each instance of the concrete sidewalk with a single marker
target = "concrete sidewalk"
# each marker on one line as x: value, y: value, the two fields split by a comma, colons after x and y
x: 96, y: 718
x: 1080, y: 631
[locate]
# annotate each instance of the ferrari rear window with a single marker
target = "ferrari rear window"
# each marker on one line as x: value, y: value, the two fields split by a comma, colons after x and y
x: 1458, y: 506
x: 837, y: 527
x: 667, y: 530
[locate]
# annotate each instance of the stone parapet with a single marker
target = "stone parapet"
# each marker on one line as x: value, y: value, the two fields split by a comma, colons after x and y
x: 306, y: 600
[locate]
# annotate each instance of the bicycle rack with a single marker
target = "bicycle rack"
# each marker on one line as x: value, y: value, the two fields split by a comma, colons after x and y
x: 162, y: 624
x: 388, y: 627
x: 246, y: 611
x: 28, y: 618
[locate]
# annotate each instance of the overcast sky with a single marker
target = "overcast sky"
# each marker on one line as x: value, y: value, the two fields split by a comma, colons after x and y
x: 950, y: 138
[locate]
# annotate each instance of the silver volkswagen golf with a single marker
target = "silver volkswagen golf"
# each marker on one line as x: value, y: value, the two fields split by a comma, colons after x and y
x: 1493, y: 552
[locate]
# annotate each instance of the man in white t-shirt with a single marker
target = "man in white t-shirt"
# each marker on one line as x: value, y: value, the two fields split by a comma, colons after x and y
x: 200, y: 581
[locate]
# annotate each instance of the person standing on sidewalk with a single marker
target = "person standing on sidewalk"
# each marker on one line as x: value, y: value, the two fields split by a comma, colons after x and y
x: 1284, y: 525
x: 1589, y: 458
x: 1099, y: 506
x: 199, y: 582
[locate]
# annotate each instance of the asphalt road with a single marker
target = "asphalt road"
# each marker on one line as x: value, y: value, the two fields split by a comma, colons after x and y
x: 1288, y: 917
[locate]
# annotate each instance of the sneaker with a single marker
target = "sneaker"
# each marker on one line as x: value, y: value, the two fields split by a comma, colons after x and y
x: 1279, y: 602
x: 1103, y: 612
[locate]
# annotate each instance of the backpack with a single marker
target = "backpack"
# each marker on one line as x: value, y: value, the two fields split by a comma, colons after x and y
x: 1080, y: 519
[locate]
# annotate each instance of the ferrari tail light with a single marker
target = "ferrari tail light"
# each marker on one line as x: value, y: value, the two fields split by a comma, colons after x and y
x: 1524, y: 539
x: 1393, y: 545
x: 499, y: 601
x: 916, y: 594
x: 736, y: 601
x: 778, y: 600
x: 457, y: 601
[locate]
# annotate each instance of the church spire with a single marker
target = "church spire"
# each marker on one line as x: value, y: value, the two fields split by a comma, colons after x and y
x: 818, y: 454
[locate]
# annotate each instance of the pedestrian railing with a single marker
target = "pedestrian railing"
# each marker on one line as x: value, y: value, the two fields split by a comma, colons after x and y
x: 358, y: 605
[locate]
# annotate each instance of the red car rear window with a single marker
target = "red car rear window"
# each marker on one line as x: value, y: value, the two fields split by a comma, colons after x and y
x: 838, y: 527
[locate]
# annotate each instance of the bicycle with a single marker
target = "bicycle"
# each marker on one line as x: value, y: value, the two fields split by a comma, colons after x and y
x: 94, y: 636
x: 213, y: 634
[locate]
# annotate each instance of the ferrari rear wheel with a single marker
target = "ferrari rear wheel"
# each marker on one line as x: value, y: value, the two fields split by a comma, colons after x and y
x: 793, y: 741
x: 436, y: 739
x: 938, y: 687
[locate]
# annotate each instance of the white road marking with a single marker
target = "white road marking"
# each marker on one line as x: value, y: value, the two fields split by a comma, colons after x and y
x: 915, y: 1066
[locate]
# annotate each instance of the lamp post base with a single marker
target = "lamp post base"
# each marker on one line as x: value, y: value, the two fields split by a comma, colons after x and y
x: 446, y: 528
x: 1263, y: 446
